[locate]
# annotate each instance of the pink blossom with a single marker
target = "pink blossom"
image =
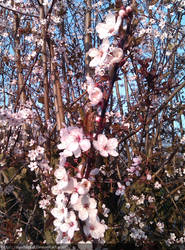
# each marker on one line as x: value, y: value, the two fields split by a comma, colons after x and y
x: 77, y: 188
x: 63, y: 238
x: 128, y: 9
x: 79, y: 173
x: 32, y: 155
x: 55, y: 190
x: 39, y: 150
x: 44, y: 203
x: 116, y: 56
x: 85, y: 206
x: 94, y: 228
x: 137, y: 160
x: 95, y: 96
x: 70, y: 224
x: 106, y: 146
x: 120, y: 190
x: 99, y: 55
x: 148, y: 177
x: 122, y: 13
x: 59, y: 212
x: 61, y: 174
x: 33, y: 166
x: 72, y: 189
x: 84, y: 186
x: 110, y: 27
x: 73, y: 141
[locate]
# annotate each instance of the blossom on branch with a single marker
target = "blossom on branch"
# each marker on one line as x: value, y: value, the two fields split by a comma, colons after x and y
x: 99, y: 55
x: 120, y: 190
x: 94, y: 228
x: 77, y: 188
x: 106, y: 146
x: 73, y: 141
x: 95, y: 93
x: 85, y: 206
x: 95, y: 96
x: 110, y: 27
x: 116, y: 56
x: 70, y: 225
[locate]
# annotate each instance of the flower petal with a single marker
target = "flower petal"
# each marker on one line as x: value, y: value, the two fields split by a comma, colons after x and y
x: 95, y: 62
x: 77, y: 153
x: 113, y: 153
x: 83, y: 214
x: 102, y: 140
x: 85, y: 145
x: 74, y: 198
x: 112, y: 143
x: 73, y: 146
x: 93, y: 52
x: 104, y: 153
x: 110, y: 19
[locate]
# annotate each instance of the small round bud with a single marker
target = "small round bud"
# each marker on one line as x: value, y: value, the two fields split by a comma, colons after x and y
x: 122, y: 7
x: 128, y: 9
x: 122, y: 13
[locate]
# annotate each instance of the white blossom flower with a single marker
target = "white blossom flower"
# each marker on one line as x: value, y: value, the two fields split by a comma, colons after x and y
x: 73, y: 141
x: 70, y: 224
x: 157, y: 185
x: 110, y: 27
x: 115, y: 56
x: 99, y: 55
x: 141, y: 200
x: 95, y: 96
x: 61, y: 199
x: 55, y: 190
x: 62, y: 176
x: 32, y: 154
x: 120, y: 190
x: 44, y: 203
x: 148, y: 177
x: 84, y: 186
x: 138, y: 234
x: 39, y: 150
x: 151, y: 199
x: 33, y: 166
x: 106, y: 146
x: 137, y: 160
x: 19, y: 232
x: 94, y: 228
x: 85, y: 206
x: 60, y: 212
x: 160, y: 226
x: 105, y: 210
x: 60, y: 173
x: 62, y: 238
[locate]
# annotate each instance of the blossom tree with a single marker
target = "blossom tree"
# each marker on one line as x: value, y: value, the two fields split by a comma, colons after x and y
x: 92, y: 123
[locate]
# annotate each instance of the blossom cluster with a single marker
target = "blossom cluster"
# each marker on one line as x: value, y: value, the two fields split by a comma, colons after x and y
x: 105, y: 56
x: 11, y: 123
x: 74, y: 204
x: 73, y: 141
x: 73, y: 172
x: 72, y: 192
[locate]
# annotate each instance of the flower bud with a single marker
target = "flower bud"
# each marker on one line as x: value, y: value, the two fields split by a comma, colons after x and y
x: 122, y: 13
x: 128, y: 9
